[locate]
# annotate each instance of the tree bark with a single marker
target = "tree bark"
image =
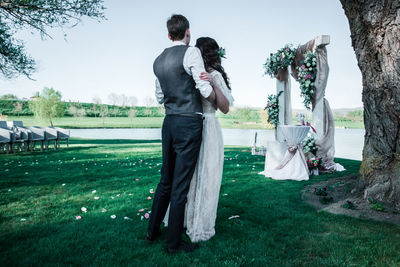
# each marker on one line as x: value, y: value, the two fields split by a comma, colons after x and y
x: 375, y: 34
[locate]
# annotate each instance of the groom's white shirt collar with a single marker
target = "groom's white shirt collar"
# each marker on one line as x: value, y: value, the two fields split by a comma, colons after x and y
x: 175, y: 43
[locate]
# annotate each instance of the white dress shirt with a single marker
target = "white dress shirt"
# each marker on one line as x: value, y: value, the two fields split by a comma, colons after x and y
x: 194, y: 66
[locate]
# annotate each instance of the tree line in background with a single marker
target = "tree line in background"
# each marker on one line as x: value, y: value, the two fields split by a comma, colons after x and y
x: 120, y: 106
x: 47, y: 105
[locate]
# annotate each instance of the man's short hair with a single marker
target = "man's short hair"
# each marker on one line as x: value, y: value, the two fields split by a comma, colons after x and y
x: 177, y: 26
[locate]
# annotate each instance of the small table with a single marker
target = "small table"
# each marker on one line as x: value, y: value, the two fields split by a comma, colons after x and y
x: 293, y: 165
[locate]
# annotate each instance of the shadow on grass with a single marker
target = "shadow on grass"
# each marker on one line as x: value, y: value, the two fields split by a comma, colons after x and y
x: 96, y: 240
x: 111, y: 141
x: 74, y: 141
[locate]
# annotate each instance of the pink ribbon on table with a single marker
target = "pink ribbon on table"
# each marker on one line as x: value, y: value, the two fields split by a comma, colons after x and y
x: 293, y: 149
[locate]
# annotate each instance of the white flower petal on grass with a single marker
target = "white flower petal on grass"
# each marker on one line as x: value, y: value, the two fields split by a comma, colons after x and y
x: 84, y: 209
x: 96, y: 198
x: 9, y: 190
x: 113, y: 216
x: 118, y: 195
x: 225, y: 194
x: 26, y: 172
x: 127, y: 218
x: 130, y: 194
x: 233, y: 217
x: 103, y: 210
x: 94, y: 191
x: 63, y: 185
x: 151, y: 191
x: 78, y: 217
x: 23, y: 220
x: 141, y: 218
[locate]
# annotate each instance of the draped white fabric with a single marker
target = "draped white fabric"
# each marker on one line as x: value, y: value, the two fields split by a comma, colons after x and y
x: 293, y: 166
x: 285, y: 104
x: 275, y: 153
x: 203, y: 196
x: 294, y: 134
x: 322, y: 114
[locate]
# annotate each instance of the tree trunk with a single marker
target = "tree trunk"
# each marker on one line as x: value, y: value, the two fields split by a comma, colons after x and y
x: 375, y: 34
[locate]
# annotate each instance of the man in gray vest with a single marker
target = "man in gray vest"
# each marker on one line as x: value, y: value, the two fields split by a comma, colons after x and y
x: 179, y: 88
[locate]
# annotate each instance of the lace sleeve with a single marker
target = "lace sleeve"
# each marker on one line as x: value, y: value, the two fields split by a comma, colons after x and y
x: 220, y: 82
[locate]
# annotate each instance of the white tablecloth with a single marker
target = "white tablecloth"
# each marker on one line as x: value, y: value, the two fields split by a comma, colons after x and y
x: 293, y: 165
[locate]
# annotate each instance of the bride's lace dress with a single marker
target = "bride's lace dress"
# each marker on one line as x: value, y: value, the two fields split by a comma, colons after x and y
x: 202, y: 199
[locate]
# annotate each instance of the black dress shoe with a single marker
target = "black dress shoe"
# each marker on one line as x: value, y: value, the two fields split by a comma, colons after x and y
x: 151, y: 238
x: 183, y: 246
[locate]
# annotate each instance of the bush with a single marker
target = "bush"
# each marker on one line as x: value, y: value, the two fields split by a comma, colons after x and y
x: 117, y: 111
x: 244, y: 114
x: 7, y: 107
x: 47, y: 105
x: 357, y: 115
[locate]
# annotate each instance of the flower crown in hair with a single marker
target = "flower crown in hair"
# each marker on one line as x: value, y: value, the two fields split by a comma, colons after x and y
x: 221, y: 52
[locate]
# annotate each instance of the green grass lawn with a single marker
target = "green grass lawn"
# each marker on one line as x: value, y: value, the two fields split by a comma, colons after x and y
x: 151, y: 122
x: 275, y: 227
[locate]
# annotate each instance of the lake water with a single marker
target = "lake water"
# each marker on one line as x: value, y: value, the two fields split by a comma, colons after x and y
x: 348, y: 142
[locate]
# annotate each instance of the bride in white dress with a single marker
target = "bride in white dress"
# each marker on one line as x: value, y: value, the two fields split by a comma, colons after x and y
x: 202, y: 199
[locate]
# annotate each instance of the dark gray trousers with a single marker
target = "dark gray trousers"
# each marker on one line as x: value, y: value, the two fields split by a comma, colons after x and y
x: 181, y: 141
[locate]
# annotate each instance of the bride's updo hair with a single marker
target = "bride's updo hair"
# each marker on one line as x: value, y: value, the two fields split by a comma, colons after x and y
x: 210, y: 51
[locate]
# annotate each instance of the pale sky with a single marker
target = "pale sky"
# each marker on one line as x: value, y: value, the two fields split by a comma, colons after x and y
x: 116, y: 55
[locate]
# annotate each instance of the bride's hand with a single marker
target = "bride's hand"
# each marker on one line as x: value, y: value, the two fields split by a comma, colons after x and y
x: 205, y: 76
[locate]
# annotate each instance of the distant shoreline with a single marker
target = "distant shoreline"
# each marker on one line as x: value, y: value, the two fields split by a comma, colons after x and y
x: 156, y: 122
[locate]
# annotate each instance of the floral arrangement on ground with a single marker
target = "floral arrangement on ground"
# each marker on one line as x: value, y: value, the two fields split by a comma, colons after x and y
x: 314, y: 163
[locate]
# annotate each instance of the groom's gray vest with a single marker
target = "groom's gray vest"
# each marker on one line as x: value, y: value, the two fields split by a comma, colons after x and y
x: 179, y: 88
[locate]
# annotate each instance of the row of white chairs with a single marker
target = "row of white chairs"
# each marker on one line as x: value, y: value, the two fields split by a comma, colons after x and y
x: 14, y: 136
